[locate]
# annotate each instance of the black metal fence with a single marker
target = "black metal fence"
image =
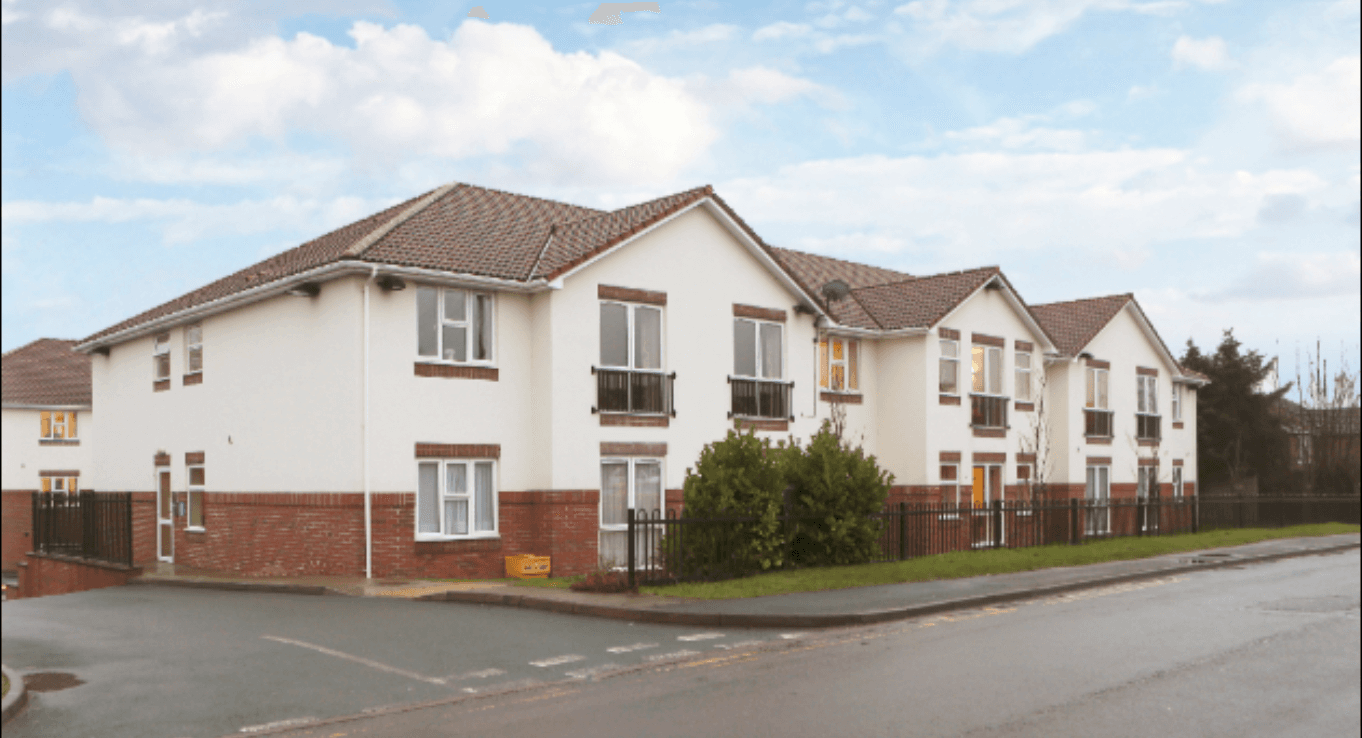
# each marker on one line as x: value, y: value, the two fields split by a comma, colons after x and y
x: 759, y: 398
x: 670, y: 548
x: 90, y: 525
x: 634, y: 391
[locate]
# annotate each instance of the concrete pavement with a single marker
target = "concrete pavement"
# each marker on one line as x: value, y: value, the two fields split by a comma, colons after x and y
x: 829, y: 608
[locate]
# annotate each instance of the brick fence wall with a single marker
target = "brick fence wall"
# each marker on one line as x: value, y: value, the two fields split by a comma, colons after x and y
x: 16, y: 526
x: 41, y: 575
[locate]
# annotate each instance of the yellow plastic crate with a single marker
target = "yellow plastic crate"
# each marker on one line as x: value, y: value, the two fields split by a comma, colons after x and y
x: 527, y: 566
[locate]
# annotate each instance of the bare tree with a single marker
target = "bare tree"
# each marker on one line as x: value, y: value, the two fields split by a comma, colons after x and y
x: 1324, y: 426
x: 1035, y: 440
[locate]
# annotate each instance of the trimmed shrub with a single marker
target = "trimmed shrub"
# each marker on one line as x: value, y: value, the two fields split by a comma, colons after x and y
x: 834, y: 490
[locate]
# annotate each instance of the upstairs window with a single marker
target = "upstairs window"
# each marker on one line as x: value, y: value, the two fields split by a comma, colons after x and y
x: 1022, y: 390
x: 160, y: 356
x: 1176, y: 393
x: 949, y: 367
x: 57, y: 425
x: 1097, y: 389
x: 193, y: 348
x: 631, y: 336
x: 986, y: 370
x: 454, y: 325
x: 757, y: 349
x: 1147, y: 395
x: 838, y: 364
x: 1096, y: 416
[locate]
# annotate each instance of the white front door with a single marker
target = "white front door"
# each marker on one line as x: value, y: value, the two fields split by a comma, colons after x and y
x: 165, y: 517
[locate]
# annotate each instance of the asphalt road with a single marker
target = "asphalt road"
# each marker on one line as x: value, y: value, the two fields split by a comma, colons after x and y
x: 1268, y: 649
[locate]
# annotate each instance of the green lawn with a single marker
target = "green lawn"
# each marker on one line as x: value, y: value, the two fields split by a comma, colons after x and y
x: 975, y: 563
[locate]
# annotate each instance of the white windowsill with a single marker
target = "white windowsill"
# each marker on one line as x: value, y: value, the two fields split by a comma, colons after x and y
x: 436, y: 538
x: 451, y: 362
x: 194, y: 529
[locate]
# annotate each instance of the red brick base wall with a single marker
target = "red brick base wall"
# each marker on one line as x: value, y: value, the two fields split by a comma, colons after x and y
x: 16, y: 526
x: 284, y: 534
x: 43, y: 574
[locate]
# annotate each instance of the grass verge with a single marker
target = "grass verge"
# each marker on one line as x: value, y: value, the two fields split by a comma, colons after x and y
x: 5, y: 690
x: 974, y: 563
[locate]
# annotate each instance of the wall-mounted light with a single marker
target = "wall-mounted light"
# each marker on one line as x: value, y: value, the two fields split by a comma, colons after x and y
x: 391, y: 283
x: 306, y: 289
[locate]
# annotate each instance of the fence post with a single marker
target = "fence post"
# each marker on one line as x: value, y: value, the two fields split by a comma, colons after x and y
x: 903, y: 531
x: 1073, y: 521
x: 629, y: 515
x: 997, y: 523
x: 1196, y: 512
x: 37, y: 524
x: 1141, y: 510
x: 1305, y: 510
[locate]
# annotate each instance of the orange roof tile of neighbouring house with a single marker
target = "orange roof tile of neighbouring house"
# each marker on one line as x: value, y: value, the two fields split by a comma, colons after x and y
x: 46, y: 373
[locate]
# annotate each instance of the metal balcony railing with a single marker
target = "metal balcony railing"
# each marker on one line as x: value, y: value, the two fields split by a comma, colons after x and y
x: 988, y: 411
x: 1148, y: 427
x: 1097, y: 423
x: 767, y: 399
x: 635, y: 391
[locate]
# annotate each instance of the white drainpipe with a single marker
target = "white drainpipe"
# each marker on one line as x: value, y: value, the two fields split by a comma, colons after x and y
x: 368, y: 496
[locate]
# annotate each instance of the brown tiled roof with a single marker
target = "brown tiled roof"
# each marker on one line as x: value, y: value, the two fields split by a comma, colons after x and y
x: 314, y: 253
x: 46, y: 372
x: 921, y: 301
x: 813, y: 271
x: 1073, y: 324
x: 475, y: 230
x: 575, y: 242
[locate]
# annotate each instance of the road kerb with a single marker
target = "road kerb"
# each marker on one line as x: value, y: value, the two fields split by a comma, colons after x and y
x: 774, y: 620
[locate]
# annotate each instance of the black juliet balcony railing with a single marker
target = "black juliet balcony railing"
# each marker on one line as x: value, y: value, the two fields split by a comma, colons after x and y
x: 988, y: 411
x: 1097, y: 423
x: 767, y: 399
x: 634, y: 391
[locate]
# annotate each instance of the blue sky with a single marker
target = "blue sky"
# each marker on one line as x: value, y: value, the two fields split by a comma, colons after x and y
x: 1203, y: 155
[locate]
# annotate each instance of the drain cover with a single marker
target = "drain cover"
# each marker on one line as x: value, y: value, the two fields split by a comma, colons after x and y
x: 51, y: 681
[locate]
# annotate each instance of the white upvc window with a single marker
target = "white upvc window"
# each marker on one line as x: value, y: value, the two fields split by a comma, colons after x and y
x: 631, y: 336
x: 1176, y: 393
x: 986, y: 370
x: 949, y: 367
x: 758, y: 349
x: 1022, y: 390
x: 626, y: 483
x: 1098, y: 494
x: 59, y: 485
x: 160, y: 356
x: 1147, y: 394
x: 193, y: 348
x: 456, y: 498
x: 1096, y: 389
x: 194, y: 520
x: 455, y: 325
x: 950, y: 477
x: 1177, y: 483
x: 839, y: 364
x: 57, y: 425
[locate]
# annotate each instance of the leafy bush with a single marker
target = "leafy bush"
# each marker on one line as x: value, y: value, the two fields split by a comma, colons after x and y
x: 739, y: 476
x: 834, y: 489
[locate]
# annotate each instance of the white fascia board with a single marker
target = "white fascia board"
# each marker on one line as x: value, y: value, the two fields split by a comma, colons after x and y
x: 732, y: 227
x: 872, y: 333
x: 1047, y: 346
x: 325, y: 272
x: 31, y: 406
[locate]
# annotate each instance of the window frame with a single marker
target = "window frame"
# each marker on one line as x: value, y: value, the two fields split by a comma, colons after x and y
x: 1099, y: 505
x: 1177, y: 483
x: 850, y: 363
x: 1018, y: 382
x: 47, y: 484
x: 942, y: 361
x: 1147, y: 406
x: 631, y: 328
x: 986, y: 367
x: 941, y: 480
x: 1100, y: 390
x: 758, y: 364
x: 191, y: 489
x: 631, y: 494
x: 443, y: 495
x: 47, y: 426
x: 160, y: 351
x: 470, y: 332
x: 1175, y: 396
x: 190, y: 346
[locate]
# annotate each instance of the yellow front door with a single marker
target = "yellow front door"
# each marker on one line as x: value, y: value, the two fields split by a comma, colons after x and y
x: 978, y: 486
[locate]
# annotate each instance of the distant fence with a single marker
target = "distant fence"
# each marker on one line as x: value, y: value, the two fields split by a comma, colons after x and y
x: 90, y: 525
x: 671, y: 548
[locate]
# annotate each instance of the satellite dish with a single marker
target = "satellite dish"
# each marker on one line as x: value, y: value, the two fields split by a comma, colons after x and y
x: 836, y: 290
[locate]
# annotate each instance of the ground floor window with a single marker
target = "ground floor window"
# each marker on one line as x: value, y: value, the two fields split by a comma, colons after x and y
x: 195, y: 519
x: 1177, y: 483
x: 456, y: 498
x: 987, y: 487
x: 1098, y: 494
x: 59, y: 485
x: 626, y: 483
x: 950, y: 483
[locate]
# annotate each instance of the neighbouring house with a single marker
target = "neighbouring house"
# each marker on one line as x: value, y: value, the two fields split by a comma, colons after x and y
x: 1324, y: 446
x: 47, y: 426
x: 474, y: 374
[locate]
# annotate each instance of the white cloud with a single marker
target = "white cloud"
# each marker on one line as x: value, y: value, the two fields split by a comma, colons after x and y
x: 1018, y: 133
x: 1294, y: 276
x: 1316, y: 110
x: 397, y: 94
x: 1207, y: 54
x: 1001, y: 26
x: 769, y: 86
x: 714, y: 33
x: 781, y: 29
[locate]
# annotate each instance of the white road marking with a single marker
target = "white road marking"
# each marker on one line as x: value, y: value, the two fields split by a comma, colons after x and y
x: 485, y: 673
x: 556, y: 660
x: 672, y: 655
x: 357, y: 659
x: 700, y: 637
x: 517, y: 684
x: 739, y: 644
x: 591, y: 671
x: 791, y: 636
x: 635, y: 647
x: 278, y: 724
